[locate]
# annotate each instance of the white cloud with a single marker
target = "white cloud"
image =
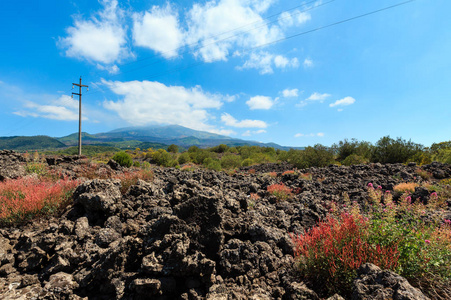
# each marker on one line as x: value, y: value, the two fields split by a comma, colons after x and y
x: 148, y: 102
x: 111, y: 69
x: 295, y: 18
x: 159, y: 30
x: 250, y: 133
x: 219, y: 26
x: 226, y: 132
x: 290, y: 93
x: 260, y: 102
x: 282, y: 62
x: 264, y: 62
x: 308, y: 63
x: 343, y: 102
x: 231, y: 121
x: 302, y: 104
x: 318, y: 97
x: 319, y: 134
x: 64, y: 109
x: 100, y: 39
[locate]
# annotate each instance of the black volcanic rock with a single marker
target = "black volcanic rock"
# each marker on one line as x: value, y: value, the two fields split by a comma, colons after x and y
x: 188, y: 235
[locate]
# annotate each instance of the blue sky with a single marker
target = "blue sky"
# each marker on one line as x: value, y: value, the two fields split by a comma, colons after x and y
x: 242, y: 68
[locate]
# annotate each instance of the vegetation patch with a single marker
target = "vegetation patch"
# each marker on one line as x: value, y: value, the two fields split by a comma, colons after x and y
x: 26, y: 198
x: 398, y: 237
x: 281, y: 191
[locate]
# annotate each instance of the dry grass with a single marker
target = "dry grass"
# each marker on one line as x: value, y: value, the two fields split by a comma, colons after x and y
x: 405, y: 187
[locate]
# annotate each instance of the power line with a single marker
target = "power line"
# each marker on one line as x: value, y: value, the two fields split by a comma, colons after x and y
x: 226, y: 38
x: 289, y: 37
x: 263, y: 24
x: 211, y: 37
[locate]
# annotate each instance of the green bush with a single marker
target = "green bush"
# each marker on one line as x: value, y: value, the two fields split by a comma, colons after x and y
x: 247, y: 162
x: 346, y: 148
x: 230, y: 161
x: 443, y: 156
x: 173, y: 148
x: 354, y: 159
x: 145, y: 166
x: 124, y: 159
x: 441, y: 146
x: 388, y: 150
x: 200, y: 155
x: 184, y: 158
x: 232, y: 150
x: 220, y: 148
x: 212, y: 164
x: 162, y: 158
x: 317, y: 156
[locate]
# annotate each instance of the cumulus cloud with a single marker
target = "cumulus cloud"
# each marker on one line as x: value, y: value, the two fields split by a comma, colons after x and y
x: 264, y: 62
x: 226, y: 132
x: 318, y: 97
x: 343, y: 102
x: 296, y: 18
x: 101, y: 39
x: 260, y: 102
x: 319, y: 134
x: 64, y: 109
x: 219, y: 26
x: 290, y: 93
x: 159, y: 30
x: 231, y: 121
x: 250, y: 133
x: 146, y: 102
x: 308, y: 63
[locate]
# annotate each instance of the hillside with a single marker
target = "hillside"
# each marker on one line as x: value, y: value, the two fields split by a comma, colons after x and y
x: 162, y: 135
x: 22, y: 143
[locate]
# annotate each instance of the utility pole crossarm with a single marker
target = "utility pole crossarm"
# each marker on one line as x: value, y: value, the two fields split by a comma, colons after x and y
x: 80, y: 86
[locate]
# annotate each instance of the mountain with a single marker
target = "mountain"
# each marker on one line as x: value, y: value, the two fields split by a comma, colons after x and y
x: 22, y: 143
x: 172, y: 134
x: 132, y: 137
x: 162, y: 132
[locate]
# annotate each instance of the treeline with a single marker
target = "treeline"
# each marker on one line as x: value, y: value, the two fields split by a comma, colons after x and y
x: 346, y: 152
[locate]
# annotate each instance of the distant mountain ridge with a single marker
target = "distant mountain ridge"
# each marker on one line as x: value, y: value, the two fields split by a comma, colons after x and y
x: 135, y: 137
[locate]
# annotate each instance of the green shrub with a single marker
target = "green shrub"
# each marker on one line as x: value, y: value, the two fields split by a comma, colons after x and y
x: 36, y: 168
x: 247, y: 162
x: 220, y: 148
x: 421, y: 158
x: 124, y: 159
x: 173, y: 148
x: 184, y: 158
x: 230, y: 161
x: 199, y: 155
x: 354, y: 159
x: 388, y: 150
x: 346, y: 148
x: 162, y: 158
x: 212, y: 164
x: 145, y: 166
x: 232, y: 150
x: 435, y: 147
x: 443, y: 156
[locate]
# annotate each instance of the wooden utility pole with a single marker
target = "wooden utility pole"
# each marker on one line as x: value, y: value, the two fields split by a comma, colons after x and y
x: 79, y: 111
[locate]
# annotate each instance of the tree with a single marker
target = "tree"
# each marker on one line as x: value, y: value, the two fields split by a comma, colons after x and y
x: 173, y: 148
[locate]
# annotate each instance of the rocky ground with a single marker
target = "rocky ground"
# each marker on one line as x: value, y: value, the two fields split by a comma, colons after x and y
x: 187, y: 235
